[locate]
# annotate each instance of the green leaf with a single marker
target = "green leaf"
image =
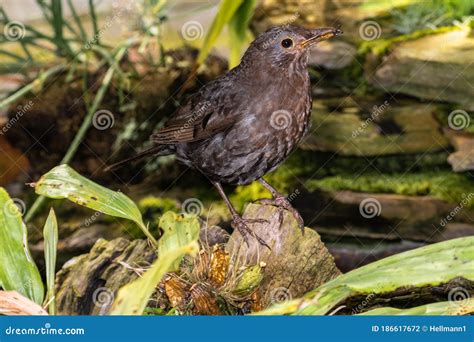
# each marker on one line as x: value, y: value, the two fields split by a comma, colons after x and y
x: 63, y: 182
x: 50, y: 233
x: 179, y: 231
x: 434, y: 309
x: 430, y: 265
x: 239, y: 32
x: 226, y: 11
x: 133, y: 298
x: 18, y: 271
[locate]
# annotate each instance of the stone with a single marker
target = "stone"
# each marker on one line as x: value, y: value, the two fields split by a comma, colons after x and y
x: 436, y: 67
x: 389, y: 217
x: 463, y: 158
x: 332, y: 55
x: 381, y: 129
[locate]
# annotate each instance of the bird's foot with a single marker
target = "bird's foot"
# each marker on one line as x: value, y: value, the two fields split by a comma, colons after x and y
x: 282, y: 203
x: 242, y: 226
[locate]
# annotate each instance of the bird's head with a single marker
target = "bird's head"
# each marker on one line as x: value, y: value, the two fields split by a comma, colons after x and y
x: 284, y: 45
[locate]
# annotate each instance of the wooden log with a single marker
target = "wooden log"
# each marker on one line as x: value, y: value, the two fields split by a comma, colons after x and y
x: 88, y: 284
x: 296, y: 263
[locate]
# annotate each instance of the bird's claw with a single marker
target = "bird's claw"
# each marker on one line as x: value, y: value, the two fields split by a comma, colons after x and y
x: 241, y: 225
x: 282, y: 203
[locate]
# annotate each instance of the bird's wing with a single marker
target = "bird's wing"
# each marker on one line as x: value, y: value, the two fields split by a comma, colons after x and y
x: 203, y: 116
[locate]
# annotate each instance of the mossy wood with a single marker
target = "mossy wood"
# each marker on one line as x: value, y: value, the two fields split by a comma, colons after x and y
x: 296, y: 262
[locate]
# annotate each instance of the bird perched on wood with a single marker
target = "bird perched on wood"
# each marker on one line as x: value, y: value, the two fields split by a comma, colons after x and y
x: 245, y: 123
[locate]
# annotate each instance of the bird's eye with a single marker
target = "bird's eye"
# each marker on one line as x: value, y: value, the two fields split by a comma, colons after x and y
x: 287, y: 43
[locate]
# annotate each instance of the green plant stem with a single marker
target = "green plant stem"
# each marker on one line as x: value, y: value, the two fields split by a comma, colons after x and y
x: 41, y: 78
x: 83, y: 129
x: 59, y: 23
x: 94, y: 21
x: 77, y: 19
x: 148, y: 235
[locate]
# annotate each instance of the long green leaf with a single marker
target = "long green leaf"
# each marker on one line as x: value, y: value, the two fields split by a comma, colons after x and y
x: 133, y: 298
x: 430, y: 265
x: 434, y: 309
x: 50, y: 233
x: 226, y: 11
x: 63, y: 182
x: 239, y: 32
x: 18, y: 271
x: 179, y: 231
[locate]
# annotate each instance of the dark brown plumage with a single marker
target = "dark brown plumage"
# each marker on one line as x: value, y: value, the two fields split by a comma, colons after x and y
x: 245, y: 123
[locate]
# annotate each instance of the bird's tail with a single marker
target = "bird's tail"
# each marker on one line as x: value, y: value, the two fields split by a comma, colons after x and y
x: 148, y: 152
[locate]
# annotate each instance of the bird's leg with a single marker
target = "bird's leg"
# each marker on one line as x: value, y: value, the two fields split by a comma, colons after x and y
x: 238, y: 222
x: 279, y: 200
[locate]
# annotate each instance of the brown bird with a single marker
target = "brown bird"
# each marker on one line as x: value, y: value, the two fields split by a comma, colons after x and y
x: 245, y: 123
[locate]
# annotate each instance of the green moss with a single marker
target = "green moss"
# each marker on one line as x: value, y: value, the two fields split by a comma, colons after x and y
x: 444, y: 185
x: 248, y: 193
x: 310, y: 164
x: 323, y: 166
x: 157, y: 205
x: 380, y: 47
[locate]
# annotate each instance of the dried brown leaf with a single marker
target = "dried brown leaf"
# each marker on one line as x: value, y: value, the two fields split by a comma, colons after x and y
x: 257, y: 304
x: 219, y: 266
x: 13, y: 303
x: 201, y: 265
x: 177, y: 291
x: 205, y: 302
